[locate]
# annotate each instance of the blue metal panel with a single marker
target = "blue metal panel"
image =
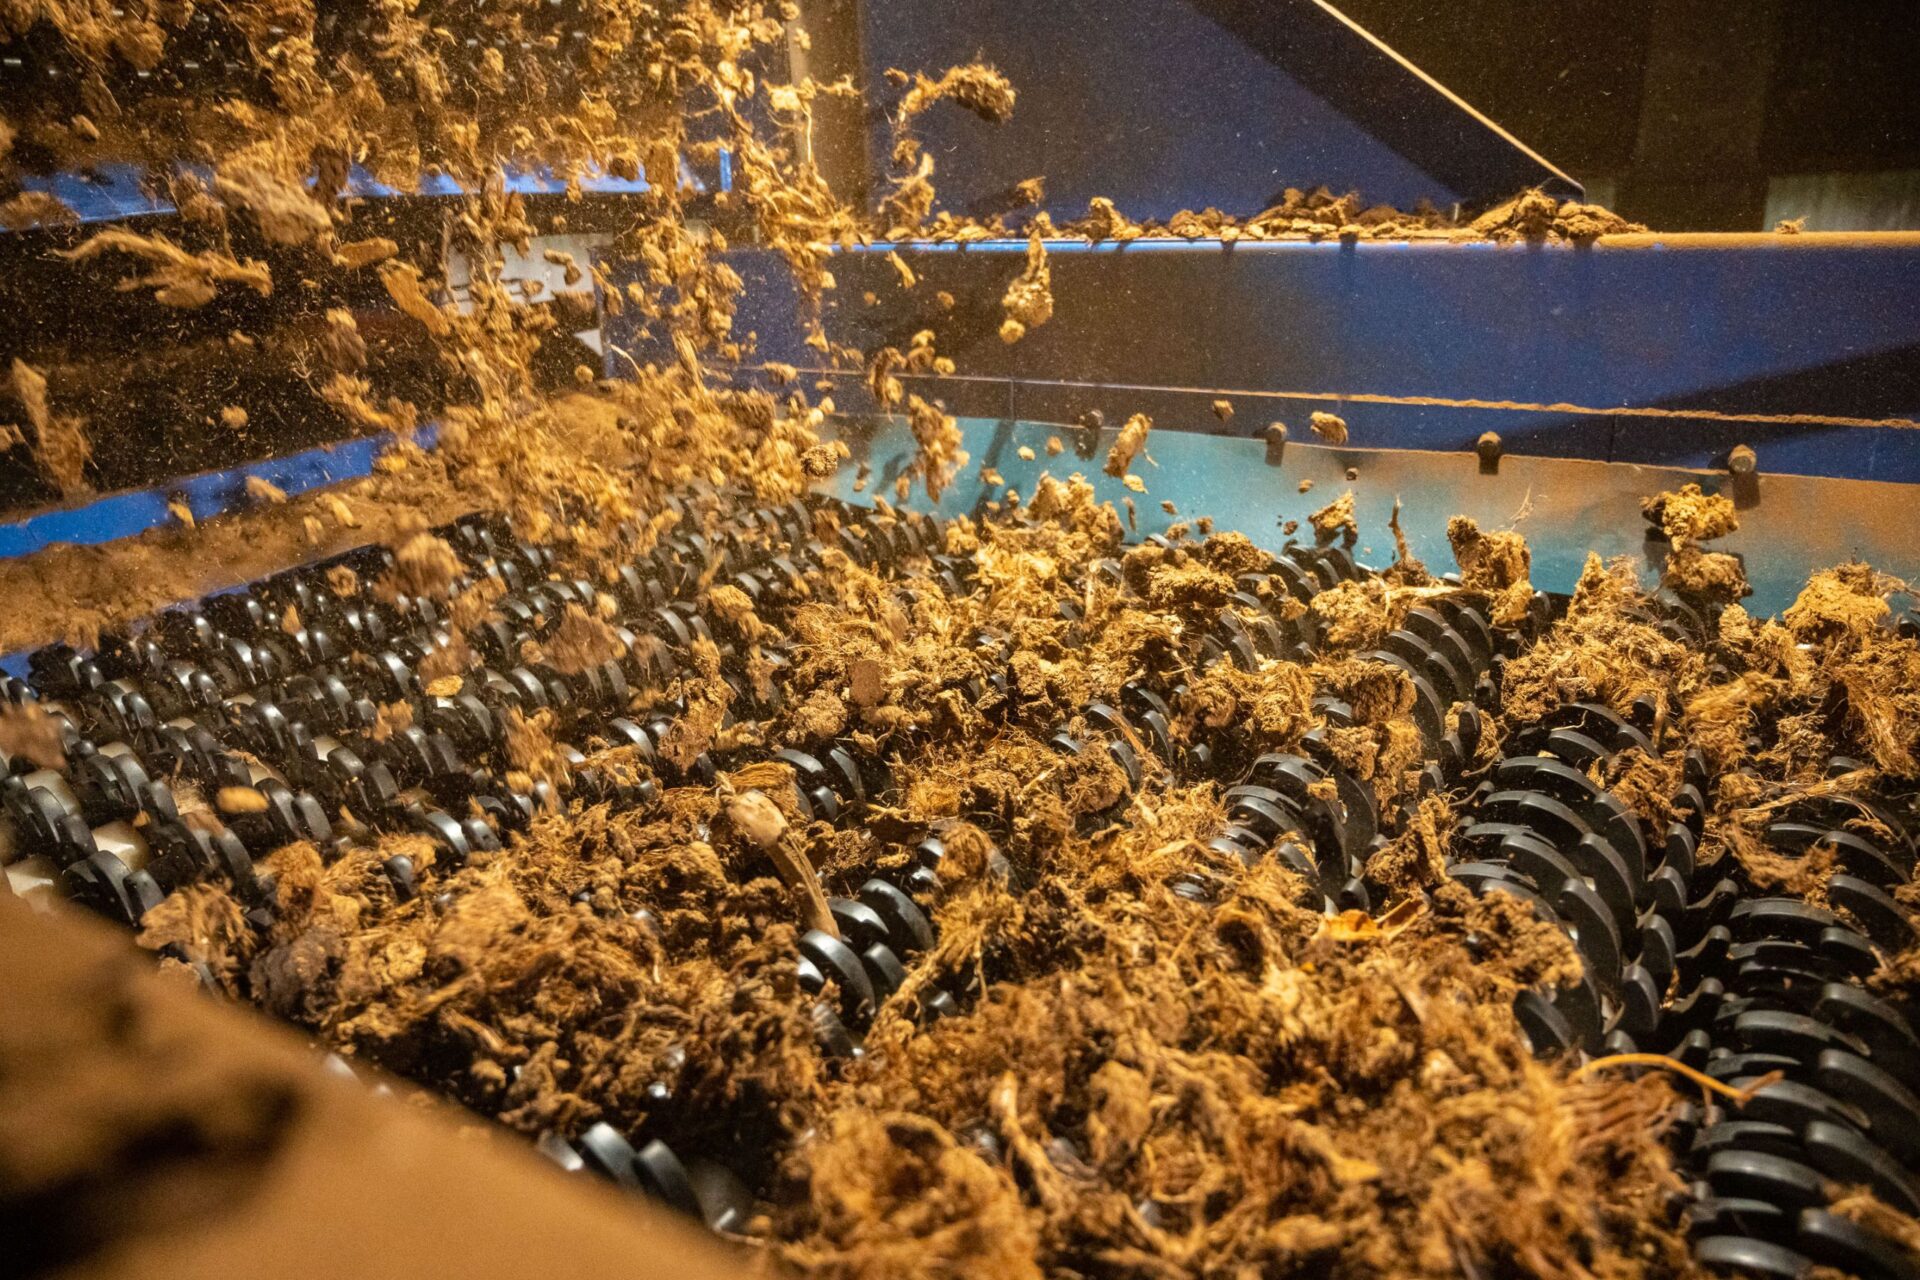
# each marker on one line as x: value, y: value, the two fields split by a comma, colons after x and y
x: 1147, y: 102
x: 1790, y: 525
x: 112, y: 192
x: 208, y: 494
x: 1743, y: 326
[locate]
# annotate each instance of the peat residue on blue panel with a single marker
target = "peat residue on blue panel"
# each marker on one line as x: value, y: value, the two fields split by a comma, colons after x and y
x: 103, y: 194
x: 1747, y: 343
x: 1565, y: 509
x: 207, y: 495
x: 111, y: 192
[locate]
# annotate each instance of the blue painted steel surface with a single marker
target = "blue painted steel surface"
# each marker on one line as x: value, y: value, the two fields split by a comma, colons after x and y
x: 1824, y: 327
x: 1148, y: 102
x: 113, y: 192
x: 1566, y: 509
x: 208, y: 494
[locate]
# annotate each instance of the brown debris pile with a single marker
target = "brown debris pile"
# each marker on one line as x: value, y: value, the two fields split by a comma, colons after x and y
x: 1536, y: 216
x: 1689, y: 513
x: 1321, y: 215
x: 1688, y: 517
x: 1497, y: 563
x: 1489, y: 562
x: 1831, y: 678
x: 1137, y: 1080
x: 1190, y: 1107
x: 1600, y: 652
x: 424, y: 565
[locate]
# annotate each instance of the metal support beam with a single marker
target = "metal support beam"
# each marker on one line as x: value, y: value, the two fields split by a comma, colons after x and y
x: 1661, y: 350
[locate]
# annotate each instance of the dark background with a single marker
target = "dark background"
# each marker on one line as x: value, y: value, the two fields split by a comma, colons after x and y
x: 1690, y: 114
x: 1708, y: 115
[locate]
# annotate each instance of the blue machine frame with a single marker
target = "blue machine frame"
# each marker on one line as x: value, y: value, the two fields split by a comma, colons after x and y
x: 1646, y: 358
x: 1661, y: 350
x: 1567, y: 508
x: 1752, y: 328
x: 113, y: 192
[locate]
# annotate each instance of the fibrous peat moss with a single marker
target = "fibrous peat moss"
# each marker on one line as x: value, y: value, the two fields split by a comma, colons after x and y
x: 1138, y: 1082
